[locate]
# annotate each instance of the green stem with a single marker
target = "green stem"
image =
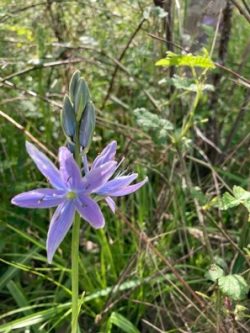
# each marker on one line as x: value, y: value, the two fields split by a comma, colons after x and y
x: 75, y: 254
x: 74, y: 277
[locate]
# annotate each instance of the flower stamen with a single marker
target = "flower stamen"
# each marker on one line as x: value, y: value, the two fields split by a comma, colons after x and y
x: 71, y: 195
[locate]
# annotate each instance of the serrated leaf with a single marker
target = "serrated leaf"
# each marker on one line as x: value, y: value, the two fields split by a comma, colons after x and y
x: 156, y: 126
x: 240, y: 196
x: 173, y: 59
x: 234, y: 286
x: 219, y: 261
x: 227, y: 201
x: 188, y: 84
x: 214, y: 273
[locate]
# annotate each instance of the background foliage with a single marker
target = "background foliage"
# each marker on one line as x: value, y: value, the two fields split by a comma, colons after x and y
x: 186, y: 128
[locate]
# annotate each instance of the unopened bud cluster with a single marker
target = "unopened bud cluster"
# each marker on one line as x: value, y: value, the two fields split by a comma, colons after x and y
x: 78, y: 114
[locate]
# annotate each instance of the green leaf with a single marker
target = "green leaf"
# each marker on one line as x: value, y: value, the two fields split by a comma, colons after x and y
x: 123, y: 323
x: 12, y: 271
x: 233, y: 286
x: 240, y: 196
x: 214, y: 273
x: 173, y: 59
x: 19, y: 296
x: 35, y: 318
x: 227, y: 201
x: 156, y: 126
x: 188, y: 84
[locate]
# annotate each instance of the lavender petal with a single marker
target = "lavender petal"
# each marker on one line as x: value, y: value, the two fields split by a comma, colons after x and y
x: 116, y: 184
x: 59, y: 226
x: 98, y: 177
x: 47, y: 168
x: 39, y: 198
x: 85, y: 164
x: 110, y: 203
x: 69, y: 170
x: 129, y: 189
x: 90, y: 211
x: 107, y: 155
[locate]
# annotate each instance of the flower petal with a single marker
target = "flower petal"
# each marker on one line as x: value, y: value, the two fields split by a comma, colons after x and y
x: 44, y: 164
x: 39, y: 198
x: 69, y: 170
x: 90, y: 211
x: 107, y: 155
x: 85, y: 164
x: 116, y: 184
x: 98, y: 176
x: 59, y: 226
x: 110, y: 203
x: 129, y: 189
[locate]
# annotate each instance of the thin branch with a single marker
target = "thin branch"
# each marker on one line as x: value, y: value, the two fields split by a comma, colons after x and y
x: 27, y: 133
x: 125, y: 128
x: 142, y: 236
x: 164, y: 40
x: 236, y: 123
x: 45, y: 65
x: 226, y: 69
x: 18, y: 10
x: 240, y: 77
x: 247, y: 6
x: 241, y: 10
x: 112, y: 81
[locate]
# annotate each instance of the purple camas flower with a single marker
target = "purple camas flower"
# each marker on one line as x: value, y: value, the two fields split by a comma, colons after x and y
x: 119, y: 185
x: 71, y: 192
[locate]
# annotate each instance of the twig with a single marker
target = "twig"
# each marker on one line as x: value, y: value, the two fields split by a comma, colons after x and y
x: 45, y: 65
x: 18, y: 10
x: 226, y: 69
x: 225, y: 234
x: 225, y: 24
x: 120, y: 59
x: 236, y: 149
x: 31, y: 93
x: 242, y: 78
x: 164, y: 40
x: 27, y: 133
x: 142, y: 236
x: 236, y: 123
x: 247, y: 6
x: 169, y: 24
x: 241, y: 10
x: 152, y: 326
x: 198, y: 209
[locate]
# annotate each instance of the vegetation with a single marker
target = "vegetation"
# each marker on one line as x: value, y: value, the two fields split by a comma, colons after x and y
x: 175, y: 256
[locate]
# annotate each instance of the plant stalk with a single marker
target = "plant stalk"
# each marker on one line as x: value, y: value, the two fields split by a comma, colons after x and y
x: 75, y: 253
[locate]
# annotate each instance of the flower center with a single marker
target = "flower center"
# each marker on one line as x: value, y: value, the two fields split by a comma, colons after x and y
x: 71, y: 195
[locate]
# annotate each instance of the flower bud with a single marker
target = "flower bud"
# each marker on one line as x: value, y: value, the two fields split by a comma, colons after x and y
x: 71, y: 146
x: 68, y: 118
x: 81, y: 98
x: 74, y: 85
x: 87, y: 126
